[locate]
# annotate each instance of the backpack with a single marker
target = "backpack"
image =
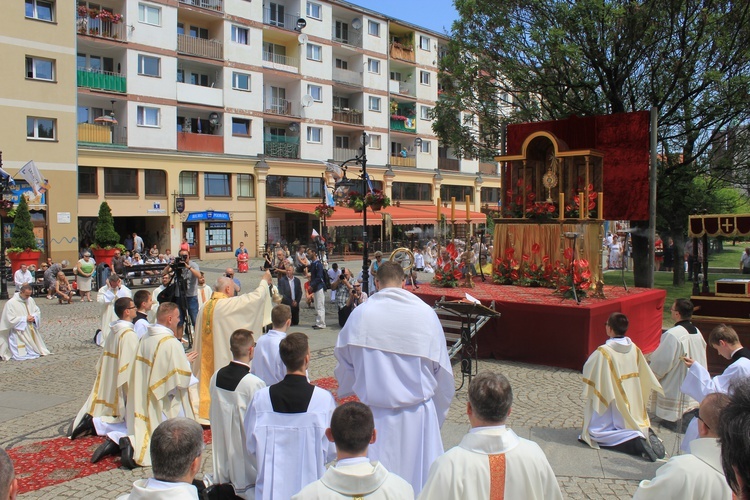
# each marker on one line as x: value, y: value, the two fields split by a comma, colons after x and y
x: 326, y: 280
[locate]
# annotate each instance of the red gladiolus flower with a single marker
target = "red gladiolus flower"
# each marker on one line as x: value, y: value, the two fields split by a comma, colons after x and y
x: 509, y: 252
x: 592, y: 205
x: 509, y: 193
x: 533, y: 268
x: 583, y: 263
x: 535, y: 248
x: 586, y: 274
x: 576, y: 199
x: 546, y: 259
x: 591, y: 187
x: 568, y: 254
x: 531, y: 196
x: 593, y: 195
x: 457, y: 274
x: 526, y: 258
x: 514, y: 274
x: 528, y: 187
x: 586, y: 285
x: 513, y: 263
x: 550, y: 208
x: 447, y: 267
x: 519, y: 183
x: 568, y: 208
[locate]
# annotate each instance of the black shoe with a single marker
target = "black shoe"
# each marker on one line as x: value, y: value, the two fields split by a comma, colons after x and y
x: 106, y: 449
x: 646, y: 451
x: 85, y: 427
x: 126, y: 455
x: 95, y: 334
x: 656, y: 444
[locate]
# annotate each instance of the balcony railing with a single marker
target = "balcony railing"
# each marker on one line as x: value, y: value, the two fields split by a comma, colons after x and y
x: 403, y: 88
x: 201, y: 47
x: 215, y: 5
x: 347, y: 77
x: 203, y: 143
x: 449, y: 164
x: 285, y: 21
x: 102, y: 80
x: 489, y: 168
x: 400, y: 161
x: 402, y: 52
x: 101, y: 28
x: 279, y: 146
x: 283, y: 63
x: 279, y: 106
x: 408, y: 125
x: 347, y: 116
x: 343, y: 154
x: 349, y: 37
x: 93, y: 133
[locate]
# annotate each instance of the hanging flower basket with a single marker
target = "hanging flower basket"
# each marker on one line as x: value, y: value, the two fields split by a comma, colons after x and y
x: 323, y: 210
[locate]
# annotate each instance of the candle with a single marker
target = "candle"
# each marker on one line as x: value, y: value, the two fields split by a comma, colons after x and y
x: 581, y: 206
x: 468, y: 200
x: 437, y: 216
x: 561, y: 206
x: 453, y: 208
x: 600, y: 213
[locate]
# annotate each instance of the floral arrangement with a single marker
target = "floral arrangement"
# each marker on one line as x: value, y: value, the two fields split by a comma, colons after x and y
x: 578, y: 277
x: 446, y: 273
x: 323, y: 210
x: 573, y: 209
x: 520, y: 207
x: 375, y: 199
x: 399, y: 118
x: 104, y: 15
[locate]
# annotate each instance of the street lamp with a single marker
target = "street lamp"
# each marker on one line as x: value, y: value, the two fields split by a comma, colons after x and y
x: 6, y: 193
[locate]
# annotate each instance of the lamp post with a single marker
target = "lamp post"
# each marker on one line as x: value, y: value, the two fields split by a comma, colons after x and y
x: 3, y: 268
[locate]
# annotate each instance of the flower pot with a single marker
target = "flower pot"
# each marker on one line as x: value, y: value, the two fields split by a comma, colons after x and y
x: 376, y: 207
x: 358, y: 210
x: 104, y: 255
x: 28, y: 257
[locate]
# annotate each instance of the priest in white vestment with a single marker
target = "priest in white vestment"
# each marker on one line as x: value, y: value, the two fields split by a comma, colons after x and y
x: 204, y: 291
x: 232, y: 390
x: 105, y: 407
x: 216, y: 320
x: 19, y: 328
x: 697, y: 475
x: 617, y: 385
x: 158, y: 387
x: 491, y: 461
x: 353, y: 475
x: 698, y: 382
x: 392, y: 354
x: 285, y: 427
x: 176, y: 451
x: 106, y: 296
x: 683, y: 339
x: 267, y: 364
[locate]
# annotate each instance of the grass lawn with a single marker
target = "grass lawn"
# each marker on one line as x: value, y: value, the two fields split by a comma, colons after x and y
x: 730, y: 257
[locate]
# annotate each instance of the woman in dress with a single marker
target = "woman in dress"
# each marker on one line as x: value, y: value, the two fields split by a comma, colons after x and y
x: 62, y: 288
x: 615, y: 253
x: 242, y: 257
x: 84, y: 271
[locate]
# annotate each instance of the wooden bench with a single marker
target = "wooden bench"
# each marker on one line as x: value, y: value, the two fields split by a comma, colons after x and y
x: 39, y: 285
x: 139, y: 277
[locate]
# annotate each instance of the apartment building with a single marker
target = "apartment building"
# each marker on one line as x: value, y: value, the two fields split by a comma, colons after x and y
x: 210, y: 120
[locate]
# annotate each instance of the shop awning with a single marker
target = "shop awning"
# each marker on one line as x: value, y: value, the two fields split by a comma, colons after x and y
x: 342, y: 216
x: 427, y: 214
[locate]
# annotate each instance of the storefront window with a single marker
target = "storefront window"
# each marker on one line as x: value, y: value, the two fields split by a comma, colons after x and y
x: 490, y: 195
x: 283, y: 186
x: 459, y: 192
x: 218, y: 237
x: 217, y: 185
x: 120, y: 181
x: 412, y: 191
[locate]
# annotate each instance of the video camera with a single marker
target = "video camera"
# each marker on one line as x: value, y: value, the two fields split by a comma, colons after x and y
x: 179, y: 262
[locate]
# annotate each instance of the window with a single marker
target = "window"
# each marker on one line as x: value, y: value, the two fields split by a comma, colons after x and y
x: 342, y: 63
x: 218, y: 237
x: 425, y: 147
x: 373, y: 66
x: 149, y: 14
x: 373, y: 28
x: 314, y: 134
x: 340, y: 102
x: 239, y: 35
x: 149, y: 66
x: 198, y: 79
x: 490, y: 195
x: 341, y: 141
x: 424, y: 77
x: 316, y: 91
x: 314, y: 10
x: 411, y: 191
x: 373, y: 103
x: 147, y: 117
x: 121, y: 181
x: 156, y: 183
x: 424, y: 42
x: 198, y: 32
x: 293, y: 187
x: 425, y: 113
x: 44, y: 10
x: 245, y: 186
x: 396, y: 75
x: 188, y: 183
x: 41, y: 128
x: 217, y: 185
x: 374, y: 142
x: 40, y: 69
x: 458, y: 192
x: 314, y: 52
x: 87, y: 180
x: 241, y: 127
x: 241, y: 81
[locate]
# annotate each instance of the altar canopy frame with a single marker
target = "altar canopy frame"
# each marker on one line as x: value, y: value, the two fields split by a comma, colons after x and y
x: 714, y: 225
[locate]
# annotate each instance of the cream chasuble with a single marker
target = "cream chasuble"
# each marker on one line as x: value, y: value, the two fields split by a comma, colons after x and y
x: 216, y: 322
x: 109, y: 394
x: 106, y: 298
x: 360, y: 480
x: 19, y: 339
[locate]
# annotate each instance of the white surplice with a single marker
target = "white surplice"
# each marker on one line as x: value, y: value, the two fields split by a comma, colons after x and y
x: 204, y: 293
x: 231, y: 462
x: 355, y: 478
x: 106, y: 297
x: 492, y: 460
x: 215, y: 323
x: 392, y: 354
x: 20, y: 339
x: 267, y: 362
x: 154, y: 303
x: 696, y: 476
x: 289, y: 450
x: 151, y: 489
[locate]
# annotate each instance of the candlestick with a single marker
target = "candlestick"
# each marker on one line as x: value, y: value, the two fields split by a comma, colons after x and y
x: 561, y: 215
x: 453, y: 208
x: 437, y: 216
x: 581, y: 206
x: 468, y: 201
x: 600, y: 212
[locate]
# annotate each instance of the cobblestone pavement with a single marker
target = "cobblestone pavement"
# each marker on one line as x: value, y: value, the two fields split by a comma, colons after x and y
x: 39, y: 398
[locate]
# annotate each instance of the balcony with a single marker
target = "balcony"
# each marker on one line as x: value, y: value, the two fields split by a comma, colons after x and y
x: 403, y: 88
x: 400, y: 161
x: 101, y: 28
x: 487, y: 167
x: 409, y: 125
x: 214, y: 5
x: 93, y: 133
x: 279, y: 106
x: 279, y: 146
x: 284, y: 21
x: 449, y: 164
x: 102, y: 80
x: 197, y: 94
x: 347, y: 116
x: 347, y: 77
x: 202, y: 143
x: 342, y: 154
x: 347, y: 36
x: 279, y: 62
x: 403, y: 52
x: 200, y: 47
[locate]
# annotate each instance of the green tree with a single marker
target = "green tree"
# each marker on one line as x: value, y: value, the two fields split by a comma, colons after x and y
x: 105, y: 234
x: 22, y: 235
x: 550, y: 59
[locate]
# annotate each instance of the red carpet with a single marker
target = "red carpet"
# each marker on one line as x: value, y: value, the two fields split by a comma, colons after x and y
x: 59, y: 460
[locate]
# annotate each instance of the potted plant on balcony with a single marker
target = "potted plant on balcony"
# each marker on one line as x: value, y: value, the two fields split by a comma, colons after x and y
x: 323, y: 210
x: 106, y: 239
x: 23, y: 246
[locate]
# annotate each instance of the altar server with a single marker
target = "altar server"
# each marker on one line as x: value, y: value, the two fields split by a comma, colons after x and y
x: 267, y: 363
x: 143, y: 303
x: 19, y: 328
x: 106, y: 297
x: 392, y: 354
x: 491, y: 461
x: 204, y: 291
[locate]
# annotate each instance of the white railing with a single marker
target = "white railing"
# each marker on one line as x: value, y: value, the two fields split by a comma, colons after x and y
x: 279, y: 106
x: 347, y: 76
x: 187, y: 44
x: 217, y: 5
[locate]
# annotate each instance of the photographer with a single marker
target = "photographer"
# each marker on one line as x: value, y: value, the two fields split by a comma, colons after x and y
x: 348, y: 294
x: 190, y: 275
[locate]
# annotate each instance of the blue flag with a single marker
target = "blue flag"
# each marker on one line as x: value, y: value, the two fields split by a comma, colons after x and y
x: 329, y: 198
x: 369, y: 184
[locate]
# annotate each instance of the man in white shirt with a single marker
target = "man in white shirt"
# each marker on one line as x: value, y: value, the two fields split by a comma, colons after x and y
x: 267, y: 363
x: 353, y: 475
x: 176, y: 451
x: 333, y: 275
x: 491, y: 460
x: 745, y: 261
x: 21, y: 276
